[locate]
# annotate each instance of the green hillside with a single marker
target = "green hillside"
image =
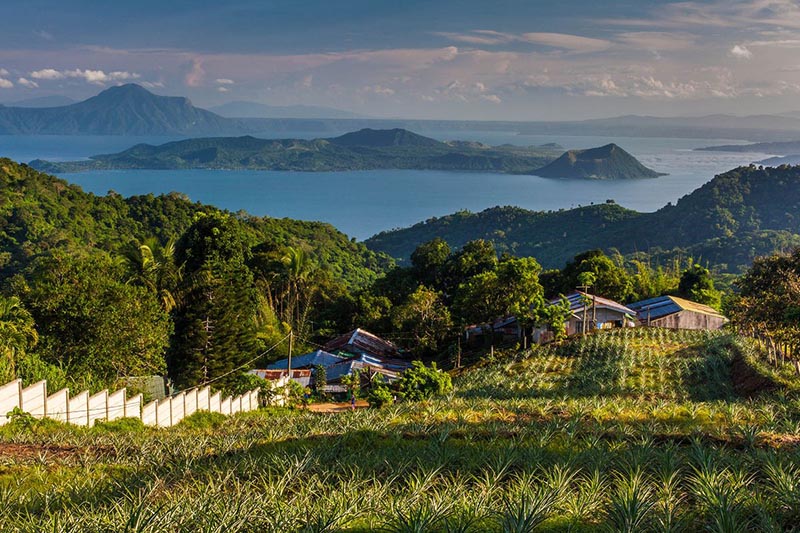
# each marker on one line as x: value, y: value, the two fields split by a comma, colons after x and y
x: 609, y: 162
x: 39, y: 213
x: 738, y: 215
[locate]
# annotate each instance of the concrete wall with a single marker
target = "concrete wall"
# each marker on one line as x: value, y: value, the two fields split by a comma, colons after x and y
x: 84, y: 410
x: 689, y: 320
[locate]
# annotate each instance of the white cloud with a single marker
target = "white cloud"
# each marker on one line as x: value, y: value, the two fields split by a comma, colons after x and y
x: 566, y: 41
x: 223, y: 89
x: 377, y: 89
x: 563, y: 41
x: 6, y: 84
x: 25, y: 82
x: 3, y: 72
x: 196, y: 74
x: 225, y: 81
x: 493, y: 98
x: 152, y: 84
x: 741, y: 52
x: 97, y: 77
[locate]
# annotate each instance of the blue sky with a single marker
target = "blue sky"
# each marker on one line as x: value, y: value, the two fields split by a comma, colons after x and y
x: 519, y: 60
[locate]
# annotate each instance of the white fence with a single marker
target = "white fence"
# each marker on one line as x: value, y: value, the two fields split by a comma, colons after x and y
x: 84, y: 410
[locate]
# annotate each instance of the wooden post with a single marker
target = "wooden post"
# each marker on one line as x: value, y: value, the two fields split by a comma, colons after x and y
x: 458, y: 353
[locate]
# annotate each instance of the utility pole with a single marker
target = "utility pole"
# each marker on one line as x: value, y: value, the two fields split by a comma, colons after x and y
x: 583, y: 289
x: 289, y: 364
x: 458, y: 353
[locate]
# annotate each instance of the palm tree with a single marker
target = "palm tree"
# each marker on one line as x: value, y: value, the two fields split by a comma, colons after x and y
x: 17, y: 331
x: 153, y: 266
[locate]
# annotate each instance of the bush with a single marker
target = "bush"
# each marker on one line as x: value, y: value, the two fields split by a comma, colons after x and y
x: 420, y: 382
x: 203, y: 420
x: 379, y: 395
x: 121, y: 425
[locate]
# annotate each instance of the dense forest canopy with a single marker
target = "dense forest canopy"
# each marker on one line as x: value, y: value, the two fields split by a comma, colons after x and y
x: 735, y: 217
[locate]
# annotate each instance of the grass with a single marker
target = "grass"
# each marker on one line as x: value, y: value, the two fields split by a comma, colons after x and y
x: 622, y: 431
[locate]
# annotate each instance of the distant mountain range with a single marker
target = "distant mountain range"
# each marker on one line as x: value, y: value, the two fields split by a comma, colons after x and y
x: 242, y: 109
x: 735, y: 217
x: 55, y: 100
x: 605, y: 162
x: 366, y: 149
x: 132, y: 110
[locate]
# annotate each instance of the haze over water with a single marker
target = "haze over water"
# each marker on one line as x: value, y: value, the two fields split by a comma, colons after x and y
x: 366, y: 202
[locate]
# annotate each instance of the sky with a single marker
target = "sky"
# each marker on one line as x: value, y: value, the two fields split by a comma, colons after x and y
x: 437, y: 59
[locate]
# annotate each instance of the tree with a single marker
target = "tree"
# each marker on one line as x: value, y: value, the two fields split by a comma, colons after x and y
x: 17, y: 334
x: 215, y: 325
x: 425, y: 317
x: 696, y: 284
x: 474, y: 258
x: 153, y: 266
x: 421, y: 382
x: 511, y: 289
x: 90, y: 322
x: 611, y: 280
x: 428, y: 261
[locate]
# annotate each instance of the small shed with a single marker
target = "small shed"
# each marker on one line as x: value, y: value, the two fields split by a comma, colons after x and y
x: 677, y: 313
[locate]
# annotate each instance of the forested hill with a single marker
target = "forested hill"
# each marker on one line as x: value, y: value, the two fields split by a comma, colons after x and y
x: 41, y: 213
x: 738, y: 215
x: 366, y: 149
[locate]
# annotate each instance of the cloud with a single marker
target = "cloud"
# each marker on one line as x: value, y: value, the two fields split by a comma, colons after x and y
x: 566, y: 41
x: 152, y: 84
x: 223, y: 89
x: 741, y: 52
x: 25, y: 82
x: 493, y: 98
x: 225, y: 81
x: 563, y: 41
x: 96, y: 77
x: 3, y: 72
x: 47, y: 36
x: 660, y: 41
x: 377, y: 89
x: 6, y: 84
x: 194, y: 78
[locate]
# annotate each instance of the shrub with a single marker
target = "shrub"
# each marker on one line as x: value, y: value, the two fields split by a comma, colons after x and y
x: 420, y: 382
x: 203, y: 420
x: 379, y: 395
x: 121, y: 425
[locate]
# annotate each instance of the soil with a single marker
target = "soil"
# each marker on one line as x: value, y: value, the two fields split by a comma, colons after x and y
x: 331, y: 407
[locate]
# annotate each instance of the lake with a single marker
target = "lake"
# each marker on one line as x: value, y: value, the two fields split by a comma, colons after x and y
x: 366, y: 202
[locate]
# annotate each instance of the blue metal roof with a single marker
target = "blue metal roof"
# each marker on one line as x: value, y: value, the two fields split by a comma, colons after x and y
x: 656, y: 307
x: 307, y: 360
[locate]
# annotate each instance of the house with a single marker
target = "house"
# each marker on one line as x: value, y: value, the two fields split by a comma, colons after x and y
x: 359, y: 342
x: 309, y: 360
x: 508, y: 327
x: 303, y: 377
x: 597, y: 313
x: 676, y: 313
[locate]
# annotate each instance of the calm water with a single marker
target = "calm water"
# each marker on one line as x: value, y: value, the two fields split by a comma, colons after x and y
x: 364, y: 203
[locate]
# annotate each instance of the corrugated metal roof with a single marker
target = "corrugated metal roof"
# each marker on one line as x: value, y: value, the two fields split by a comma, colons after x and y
x: 360, y: 341
x: 667, y: 305
x: 308, y: 360
x: 576, y: 303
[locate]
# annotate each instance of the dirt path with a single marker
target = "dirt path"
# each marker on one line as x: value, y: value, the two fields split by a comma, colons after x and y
x: 336, y: 407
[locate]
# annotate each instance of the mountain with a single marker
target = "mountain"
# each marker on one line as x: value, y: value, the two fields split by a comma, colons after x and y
x: 778, y: 161
x: 242, y: 109
x: 369, y: 137
x: 42, y: 101
x: 609, y: 162
x: 738, y: 215
x: 777, y: 148
x: 361, y: 150
x: 122, y: 110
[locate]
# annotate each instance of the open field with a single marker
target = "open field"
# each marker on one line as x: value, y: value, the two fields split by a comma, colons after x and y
x: 644, y: 430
